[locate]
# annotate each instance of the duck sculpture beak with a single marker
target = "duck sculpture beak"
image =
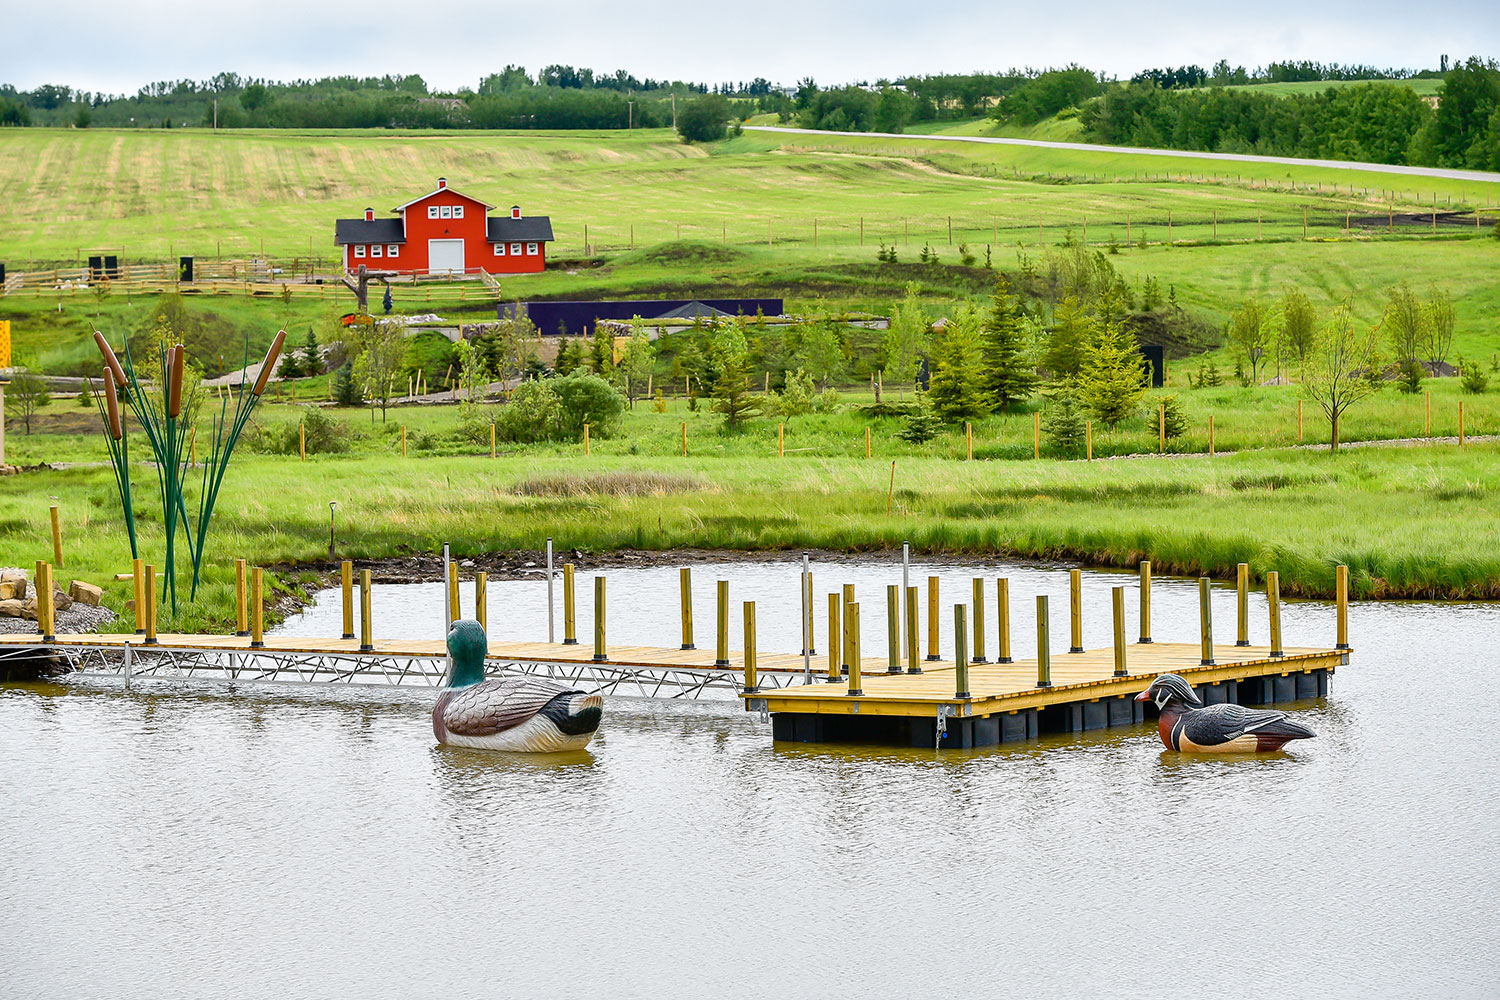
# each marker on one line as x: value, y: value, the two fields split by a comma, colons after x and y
x: 1144, y: 695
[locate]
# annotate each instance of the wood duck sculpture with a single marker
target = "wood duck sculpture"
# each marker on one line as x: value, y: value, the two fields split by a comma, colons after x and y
x: 1191, y: 727
x: 527, y: 714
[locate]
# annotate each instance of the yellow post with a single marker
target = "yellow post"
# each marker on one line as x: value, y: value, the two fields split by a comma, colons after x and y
x: 1299, y: 421
x: 585, y: 440
x: 1342, y: 590
x: 913, y: 646
x: 1206, y: 622
x: 454, y: 607
x: 366, y: 625
x: 302, y: 439
x: 893, y: 628
x: 403, y: 440
x: 1002, y: 619
x: 1460, y: 423
x: 1427, y: 423
x: 848, y: 600
x: 890, y: 491
x: 1088, y: 437
x: 1036, y: 434
x: 722, y: 660
x: 852, y: 614
x: 1273, y: 600
x: 138, y: 575
x: 685, y: 585
x: 969, y: 434
x: 835, y: 663
x: 481, y: 600
x: 57, y: 555
x: 960, y: 654
x: 346, y: 585
x: 570, y: 630
x: 46, y: 612
x: 1242, y: 587
x: 1117, y: 603
x: 684, y: 439
x: 932, y: 618
x: 750, y: 677
x: 1210, y: 435
x: 257, y: 609
x: 1145, y: 603
x: 1043, y: 644
x: 781, y: 440
x: 1161, y: 428
x: 599, y: 654
x: 978, y: 656
x: 150, y: 588
x: 1075, y: 609
x: 867, y: 440
x: 492, y: 439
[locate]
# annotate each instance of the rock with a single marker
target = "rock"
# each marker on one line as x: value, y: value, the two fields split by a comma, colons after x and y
x: 11, y: 608
x: 467, y: 564
x: 61, y: 601
x: 28, y: 608
x: 13, y: 580
x: 86, y: 593
x: 8, y: 591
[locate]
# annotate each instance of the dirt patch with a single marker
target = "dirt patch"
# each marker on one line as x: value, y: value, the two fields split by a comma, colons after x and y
x: 1418, y: 220
x: 683, y: 252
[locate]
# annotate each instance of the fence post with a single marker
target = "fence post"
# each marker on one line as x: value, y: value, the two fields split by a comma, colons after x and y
x: 57, y: 552
x: 454, y: 605
x: 481, y: 601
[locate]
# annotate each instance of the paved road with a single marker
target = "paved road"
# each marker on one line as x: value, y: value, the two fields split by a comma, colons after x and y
x: 1442, y: 173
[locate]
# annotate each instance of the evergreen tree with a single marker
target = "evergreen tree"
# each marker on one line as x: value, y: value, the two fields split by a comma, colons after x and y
x: 345, y: 389
x: 566, y: 360
x: 1067, y: 344
x: 922, y: 425
x: 312, y: 358
x: 1113, y: 381
x: 732, y: 396
x: 1062, y: 420
x: 601, y: 352
x: 957, y: 388
x: 1009, y: 376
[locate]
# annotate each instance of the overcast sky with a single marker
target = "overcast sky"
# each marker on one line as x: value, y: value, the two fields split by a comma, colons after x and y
x: 120, y: 45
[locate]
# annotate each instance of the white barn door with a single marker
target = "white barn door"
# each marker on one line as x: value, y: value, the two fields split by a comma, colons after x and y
x: 444, y: 256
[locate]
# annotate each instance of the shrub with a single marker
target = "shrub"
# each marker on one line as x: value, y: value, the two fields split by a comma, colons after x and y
x: 796, y: 398
x: 922, y: 424
x: 1474, y: 380
x: 533, y: 414
x: 1063, y: 422
x: 474, y: 421
x: 325, y: 435
x: 703, y: 119
x: 588, y: 399
x: 1409, y: 380
x: 1169, y: 411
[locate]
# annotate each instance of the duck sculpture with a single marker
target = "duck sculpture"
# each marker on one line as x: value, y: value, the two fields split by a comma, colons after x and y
x: 526, y: 714
x: 1190, y: 726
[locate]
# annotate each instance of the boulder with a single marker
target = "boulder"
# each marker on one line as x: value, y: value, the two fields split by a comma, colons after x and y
x: 13, y: 581
x: 61, y: 601
x: 86, y: 593
x: 8, y: 590
x: 12, y: 608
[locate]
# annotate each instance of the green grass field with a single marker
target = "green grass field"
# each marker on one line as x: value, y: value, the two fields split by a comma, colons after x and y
x: 1427, y: 87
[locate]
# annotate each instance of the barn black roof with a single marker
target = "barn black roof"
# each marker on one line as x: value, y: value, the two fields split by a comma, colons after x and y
x: 536, y: 228
x: 374, y: 231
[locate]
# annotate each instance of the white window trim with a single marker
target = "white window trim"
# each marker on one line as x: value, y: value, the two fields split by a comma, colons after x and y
x: 445, y: 212
x: 499, y: 249
x: 458, y: 211
x: 359, y: 250
x: 377, y: 250
x: 515, y: 249
x: 432, y: 211
x: 531, y: 249
x: 393, y: 250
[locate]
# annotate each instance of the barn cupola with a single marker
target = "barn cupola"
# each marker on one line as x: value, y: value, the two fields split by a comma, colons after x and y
x: 515, y: 211
x: 369, y: 215
x: 442, y: 183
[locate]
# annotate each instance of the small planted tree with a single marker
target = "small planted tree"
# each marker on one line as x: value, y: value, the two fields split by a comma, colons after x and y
x: 1113, y: 380
x: 922, y: 424
x: 1062, y: 420
x: 638, y: 362
x: 957, y: 387
x: 29, y: 390
x: 381, y: 348
x: 1009, y: 375
x: 906, y: 338
x: 1250, y: 330
x: 1336, y: 372
x: 1437, y: 327
x: 1167, y: 417
x: 1299, y: 326
x: 1472, y: 377
x: 1404, y: 324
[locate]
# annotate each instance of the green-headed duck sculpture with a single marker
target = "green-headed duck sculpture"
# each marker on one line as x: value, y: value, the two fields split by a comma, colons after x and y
x: 1190, y: 726
x: 526, y: 714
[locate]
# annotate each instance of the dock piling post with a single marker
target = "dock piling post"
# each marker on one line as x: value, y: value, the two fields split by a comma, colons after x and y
x: 346, y: 585
x: 455, y: 607
x: 1117, y: 601
x: 1043, y: 644
x: 1145, y: 603
x: 960, y: 653
x: 852, y: 615
x: 599, y: 654
x: 481, y: 602
x: 978, y: 656
x: 257, y: 609
x: 1206, y: 622
x: 913, y: 646
x: 46, y: 611
x: 1242, y: 586
x: 685, y: 585
x: 848, y: 601
x: 551, y: 613
x: 932, y: 619
x: 1002, y: 621
x: 835, y: 673
x: 570, y: 622
x: 447, y: 598
x: 138, y: 575
x: 1075, y: 609
x: 149, y: 587
x: 1273, y: 599
x: 810, y: 642
x: 750, y: 677
x: 366, y: 625
x: 722, y: 659
x: 893, y: 629
x: 1342, y: 577
x: 127, y: 664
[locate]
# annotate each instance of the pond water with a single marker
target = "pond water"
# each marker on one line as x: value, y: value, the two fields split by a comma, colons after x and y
x: 189, y: 841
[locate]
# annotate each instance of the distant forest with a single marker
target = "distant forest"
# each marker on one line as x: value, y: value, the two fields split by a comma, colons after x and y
x: 1187, y: 107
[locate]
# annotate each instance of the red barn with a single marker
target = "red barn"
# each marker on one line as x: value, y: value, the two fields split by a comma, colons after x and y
x: 445, y: 232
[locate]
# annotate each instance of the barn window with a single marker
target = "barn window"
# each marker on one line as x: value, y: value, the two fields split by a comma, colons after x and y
x: 375, y: 250
x: 531, y: 249
x: 359, y: 251
x: 458, y: 211
x: 515, y: 248
x: 446, y: 212
x: 499, y: 249
x: 394, y: 250
x: 432, y: 212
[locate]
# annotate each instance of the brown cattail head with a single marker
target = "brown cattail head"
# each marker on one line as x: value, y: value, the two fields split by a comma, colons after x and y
x: 174, y: 382
x: 109, y: 358
x: 112, y: 404
x: 269, y: 365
